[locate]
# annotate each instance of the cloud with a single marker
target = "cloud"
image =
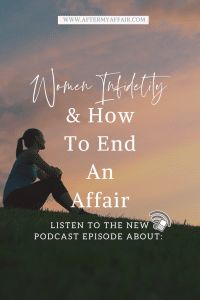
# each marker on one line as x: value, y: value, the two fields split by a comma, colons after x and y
x: 181, y: 14
x: 98, y: 7
x: 168, y: 15
x: 178, y: 7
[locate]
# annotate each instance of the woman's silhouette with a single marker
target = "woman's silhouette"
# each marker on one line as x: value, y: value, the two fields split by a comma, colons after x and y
x: 21, y: 190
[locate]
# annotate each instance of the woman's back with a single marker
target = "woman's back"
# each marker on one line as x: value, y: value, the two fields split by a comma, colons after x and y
x: 20, y: 190
x: 22, y: 173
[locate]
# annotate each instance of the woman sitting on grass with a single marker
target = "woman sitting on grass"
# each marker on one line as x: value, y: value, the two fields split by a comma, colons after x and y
x: 21, y: 191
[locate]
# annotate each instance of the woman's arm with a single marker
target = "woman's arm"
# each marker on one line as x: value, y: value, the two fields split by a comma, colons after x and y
x: 42, y: 175
x: 32, y: 157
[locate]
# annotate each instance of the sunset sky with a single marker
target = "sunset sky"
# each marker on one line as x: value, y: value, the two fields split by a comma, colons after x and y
x: 164, y: 171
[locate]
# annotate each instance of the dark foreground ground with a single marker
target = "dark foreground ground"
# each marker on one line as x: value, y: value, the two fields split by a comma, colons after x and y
x: 167, y: 268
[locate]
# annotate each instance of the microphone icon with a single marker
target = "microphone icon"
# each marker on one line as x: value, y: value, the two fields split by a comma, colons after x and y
x: 160, y: 219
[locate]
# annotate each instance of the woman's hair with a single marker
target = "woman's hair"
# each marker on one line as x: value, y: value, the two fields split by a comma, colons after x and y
x: 29, y: 139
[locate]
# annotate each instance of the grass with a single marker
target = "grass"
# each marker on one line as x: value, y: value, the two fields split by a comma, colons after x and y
x: 84, y: 270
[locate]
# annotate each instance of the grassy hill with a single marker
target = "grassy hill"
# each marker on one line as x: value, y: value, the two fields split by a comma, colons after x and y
x: 30, y: 269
